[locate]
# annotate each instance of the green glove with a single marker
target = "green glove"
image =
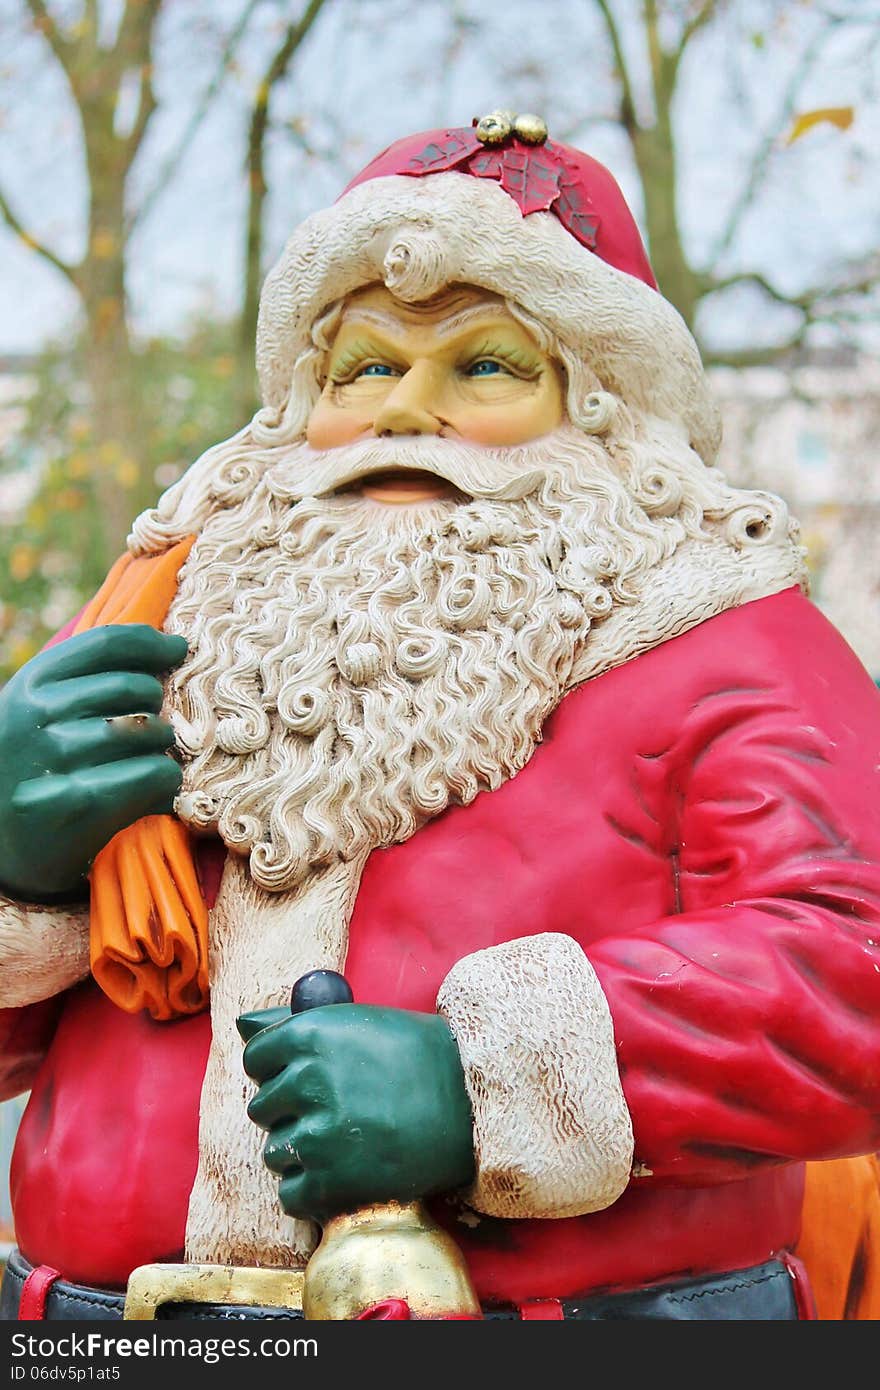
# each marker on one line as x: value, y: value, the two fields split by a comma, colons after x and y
x: 72, y: 773
x: 362, y: 1104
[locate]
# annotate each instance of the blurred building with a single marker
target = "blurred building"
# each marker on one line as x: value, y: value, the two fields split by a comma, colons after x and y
x: 810, y: 432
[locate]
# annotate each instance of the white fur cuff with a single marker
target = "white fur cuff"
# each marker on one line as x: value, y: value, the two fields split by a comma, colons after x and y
x: 43, y: 950
x: 552, y: 1132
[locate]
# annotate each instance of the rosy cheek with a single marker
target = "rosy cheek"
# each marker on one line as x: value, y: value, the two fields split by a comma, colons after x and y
x: 329, y: 427
x: 487, y: 429
x: 497, y: 428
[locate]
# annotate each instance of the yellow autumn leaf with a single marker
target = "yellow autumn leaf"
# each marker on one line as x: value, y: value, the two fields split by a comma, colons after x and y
x: 22, y: 561
x: 109, y: 452
x: 69, y: 500
x: 841, y: 116
x: 126, y: 473
x: 78, y: 466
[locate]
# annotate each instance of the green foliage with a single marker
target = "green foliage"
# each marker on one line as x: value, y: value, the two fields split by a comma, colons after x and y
x: 53, y: 555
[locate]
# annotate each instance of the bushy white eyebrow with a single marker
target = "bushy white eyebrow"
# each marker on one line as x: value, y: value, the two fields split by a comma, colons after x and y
x: 445, y: 327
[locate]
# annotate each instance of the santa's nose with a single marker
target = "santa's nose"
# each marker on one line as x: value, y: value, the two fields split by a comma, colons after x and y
x: 408, y: 407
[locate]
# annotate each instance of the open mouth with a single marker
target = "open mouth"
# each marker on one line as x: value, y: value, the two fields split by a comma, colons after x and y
x: 400, y: 485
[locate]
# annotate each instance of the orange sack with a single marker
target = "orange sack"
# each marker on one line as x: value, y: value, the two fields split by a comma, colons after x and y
x: 149, y: 921
x: 840, y: 1237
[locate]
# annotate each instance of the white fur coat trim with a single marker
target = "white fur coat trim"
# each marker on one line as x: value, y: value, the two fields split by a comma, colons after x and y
x: 259, y: 945
x: 43, y: 950
x: 552, y: 1132
x: 700, y: 581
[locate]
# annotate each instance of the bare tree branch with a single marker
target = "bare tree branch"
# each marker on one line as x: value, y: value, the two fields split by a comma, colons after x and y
x: 146, y: 107
x: 861, y: 16
x: 33, y: 243
x: 257, y: 190
x: 761, y: 162
x: 45, y: 24
x: 756, y: 357
x: 655, y: 49
x: 90, y: 11
x: 293, y: 37
x: 810, y: 301
x: 822, y: 304
x: 710, y: 285
x: 627, y: 101
x: 664, y: 64
x: 706, y: 12
x: 136, y: 25
x: 134, y: 50
x: 174, y: 159
x: 134, y: 44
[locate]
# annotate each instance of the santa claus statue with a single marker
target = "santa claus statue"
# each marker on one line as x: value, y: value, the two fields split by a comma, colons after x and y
x: 462, y: 671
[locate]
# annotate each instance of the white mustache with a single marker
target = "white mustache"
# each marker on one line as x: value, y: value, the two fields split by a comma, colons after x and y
x: 506, y: 475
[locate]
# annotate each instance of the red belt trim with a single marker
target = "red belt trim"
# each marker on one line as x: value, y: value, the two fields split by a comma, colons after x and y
x: 803, y: 1293
x: 542, y: 1310
x: 397, y: 1310
x: 35, y: 1289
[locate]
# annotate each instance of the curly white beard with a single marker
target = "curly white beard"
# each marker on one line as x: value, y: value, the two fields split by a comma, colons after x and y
x: 355, y: 667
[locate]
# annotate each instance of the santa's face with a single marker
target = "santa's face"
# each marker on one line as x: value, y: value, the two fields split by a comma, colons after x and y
x: 458, y: 366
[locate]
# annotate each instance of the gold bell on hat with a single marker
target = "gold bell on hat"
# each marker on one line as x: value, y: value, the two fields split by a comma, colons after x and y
x: 494, y: 128
x: 387, y: 1250
x: 498, y: 126
x: 531, y: 129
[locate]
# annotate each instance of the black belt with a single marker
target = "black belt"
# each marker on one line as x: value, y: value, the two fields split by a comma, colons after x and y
x: 763, y: 1293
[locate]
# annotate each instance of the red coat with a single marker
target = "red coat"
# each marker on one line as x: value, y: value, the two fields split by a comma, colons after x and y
x: 705, y: 821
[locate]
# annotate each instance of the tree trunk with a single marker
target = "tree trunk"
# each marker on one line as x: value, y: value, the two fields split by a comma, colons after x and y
x: 247, y: 396
x: 118, y: 450
x: 654, y: 149
x: 245, y: 372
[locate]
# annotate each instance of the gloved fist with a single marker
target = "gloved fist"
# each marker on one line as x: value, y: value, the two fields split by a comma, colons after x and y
x: 83, y: 753
x: 362, y: 1104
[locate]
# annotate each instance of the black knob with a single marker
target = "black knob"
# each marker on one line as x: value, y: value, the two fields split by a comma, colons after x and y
x: 317, y: 988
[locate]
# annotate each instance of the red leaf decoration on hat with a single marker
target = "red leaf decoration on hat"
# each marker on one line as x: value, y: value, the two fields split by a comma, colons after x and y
x: 450, y: 150
x: 525, y: 174
x: 537, y: 177
x: 530, y: 178
x: 572, y: 209
x: 486, y: 165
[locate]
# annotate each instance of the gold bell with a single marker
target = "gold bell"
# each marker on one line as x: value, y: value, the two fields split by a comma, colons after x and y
x: 387, y: 1250
x: 495, y: 128
x: 531, y: 129
x: 498, y: 126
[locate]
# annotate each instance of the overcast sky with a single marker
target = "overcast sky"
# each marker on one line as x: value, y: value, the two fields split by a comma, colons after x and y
x: 373, y: 70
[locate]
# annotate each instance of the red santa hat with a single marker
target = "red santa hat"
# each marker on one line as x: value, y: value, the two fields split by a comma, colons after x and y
x: 498, y: 205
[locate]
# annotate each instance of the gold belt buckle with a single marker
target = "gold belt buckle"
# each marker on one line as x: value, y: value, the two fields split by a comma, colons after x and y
x: 149, y: 1286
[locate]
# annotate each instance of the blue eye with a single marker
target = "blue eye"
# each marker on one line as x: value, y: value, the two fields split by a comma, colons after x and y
x: 485, y: 367
x: 378, y: 369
